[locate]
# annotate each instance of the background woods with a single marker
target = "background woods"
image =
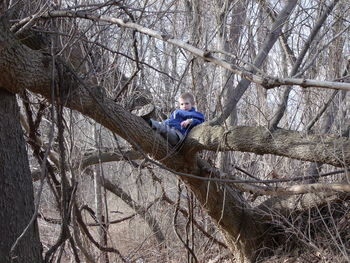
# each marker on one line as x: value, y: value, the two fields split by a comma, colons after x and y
x: 265, y: 179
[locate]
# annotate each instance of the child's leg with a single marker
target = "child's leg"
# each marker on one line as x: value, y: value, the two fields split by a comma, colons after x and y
x: 168, y: 133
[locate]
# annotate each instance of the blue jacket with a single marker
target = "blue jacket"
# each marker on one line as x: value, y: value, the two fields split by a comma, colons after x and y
x: 179, y: 116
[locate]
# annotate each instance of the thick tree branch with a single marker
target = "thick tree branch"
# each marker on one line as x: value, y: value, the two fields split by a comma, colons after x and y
x: 328, y: 149
x: 284, y: 205
x: 295, y: 189
x: 314, y: 188
x: 96, y: 157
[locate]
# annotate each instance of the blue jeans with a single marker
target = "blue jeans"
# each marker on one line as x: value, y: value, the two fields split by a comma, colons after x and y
x: 172, y: 135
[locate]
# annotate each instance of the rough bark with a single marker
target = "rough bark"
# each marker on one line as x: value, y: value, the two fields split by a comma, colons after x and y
x: 327, y: 149
x: 16, y: 195
x: 241, y: 226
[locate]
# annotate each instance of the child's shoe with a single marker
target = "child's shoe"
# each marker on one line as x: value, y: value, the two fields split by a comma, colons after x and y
x: 145, y: 112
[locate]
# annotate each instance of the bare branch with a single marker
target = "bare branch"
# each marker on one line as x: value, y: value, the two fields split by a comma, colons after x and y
x: 250, y: 75
x: 314, y: 188
x: 320, y: 112
x: 294, y: 189
x: 52, y: 155
x: 143, y: 212
x: 326, y: 149
x: 92, y: 158
x: 86, y: 231
x: 266, y: 81
x: 185, y: 214
x: 283, y: 105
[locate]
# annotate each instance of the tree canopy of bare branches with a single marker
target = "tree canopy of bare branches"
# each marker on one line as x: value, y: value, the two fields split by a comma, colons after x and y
x: 269, y: 167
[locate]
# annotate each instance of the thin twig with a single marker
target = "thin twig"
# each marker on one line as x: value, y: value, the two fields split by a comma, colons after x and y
x: 175, y: 225
x: 83, y: 226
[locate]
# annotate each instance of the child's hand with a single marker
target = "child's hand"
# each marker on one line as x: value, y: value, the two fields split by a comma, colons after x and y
x: 185, y: 123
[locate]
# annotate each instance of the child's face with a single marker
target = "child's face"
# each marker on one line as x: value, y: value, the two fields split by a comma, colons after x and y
x: 185, y: 104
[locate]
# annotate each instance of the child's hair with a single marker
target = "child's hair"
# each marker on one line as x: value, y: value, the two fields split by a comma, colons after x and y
x: 187, y: 96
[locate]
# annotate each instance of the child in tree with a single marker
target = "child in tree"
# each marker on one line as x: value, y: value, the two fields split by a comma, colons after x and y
x: 180, y: 122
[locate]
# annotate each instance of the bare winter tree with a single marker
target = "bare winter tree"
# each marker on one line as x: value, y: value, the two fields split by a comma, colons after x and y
x: 278, y: 69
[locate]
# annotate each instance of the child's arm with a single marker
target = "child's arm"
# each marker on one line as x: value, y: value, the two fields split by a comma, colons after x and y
x: 198, y: 118
x: 186, y: 123
x: 172, y: 117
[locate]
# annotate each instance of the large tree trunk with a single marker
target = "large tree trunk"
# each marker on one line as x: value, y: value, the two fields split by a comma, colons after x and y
x: 16, y: 195
x: 241, y: 226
